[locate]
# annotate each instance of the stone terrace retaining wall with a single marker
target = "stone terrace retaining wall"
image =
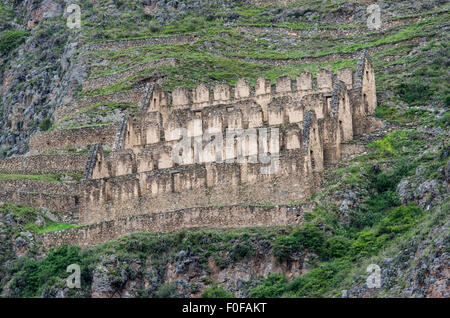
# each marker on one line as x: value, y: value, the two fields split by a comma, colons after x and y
x: 42, y: 164
x: 26, y: 185
x: 112, y: 79
x: 360, y: 30
x: 126, y: 44
x: 58, y: 139
x: 327, y: 58
x: 57, y: 202
x: 211, y: 217
x: 132, y: 96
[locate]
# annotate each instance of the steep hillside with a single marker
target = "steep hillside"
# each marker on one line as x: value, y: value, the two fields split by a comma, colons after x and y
x: 387, y: 205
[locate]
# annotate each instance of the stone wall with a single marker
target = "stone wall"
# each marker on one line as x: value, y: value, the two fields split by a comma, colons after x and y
x: 51, y: 187
x: 132, y: 96
x: 112, y: 79
x: 43, y: 164
x: 57, y: 202
x: 265, y: 106
x: 210, y: 217
x: 58, y: 139
x: 233, y: 145
x: 333, y: 32
x: 198, y: 185
x: 126, y: 44
x: 58, y: 196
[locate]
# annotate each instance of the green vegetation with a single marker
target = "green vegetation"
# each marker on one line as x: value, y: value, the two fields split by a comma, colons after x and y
x: 218, y: 56
x: 56, y: 227
x: 410, y: 115
x: 216, y: 291
x: 273, y: 286
x: 444, y: 121
x: 415, y: 92
x: 32, y: 277
x: 29, y: 215
x: 46, y: 124
x: 10, y: 39
x: 327, y: 276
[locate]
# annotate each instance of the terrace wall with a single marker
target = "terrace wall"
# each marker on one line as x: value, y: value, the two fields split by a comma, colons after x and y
x: 58, y: 139
x: 43, y: 164
x: 210, y: 217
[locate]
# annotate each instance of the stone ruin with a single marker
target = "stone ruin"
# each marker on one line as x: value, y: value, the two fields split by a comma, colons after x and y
x: 300, y: 125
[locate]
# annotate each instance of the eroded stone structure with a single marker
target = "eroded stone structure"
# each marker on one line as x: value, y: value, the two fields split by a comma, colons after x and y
x: 308, y: 118
x: 198, y: 157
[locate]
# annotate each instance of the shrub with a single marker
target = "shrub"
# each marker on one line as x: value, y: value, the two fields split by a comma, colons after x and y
x: 415, y: 92
x: 373, y: 209
x: 366, y: 244
x: 320, y: 279
x: 273, y: 286
x: 216, y: 291
x: 444, y: 121
x: 168, y: 290
x: 337, y: 246
x: 241, y: 251
x: 11, y: 39
x: 400, y: 219
x: 387, y: 181
x: 33, y: 276
x: 447, y: 100
x: 45, y: 124
x: 307, y: 236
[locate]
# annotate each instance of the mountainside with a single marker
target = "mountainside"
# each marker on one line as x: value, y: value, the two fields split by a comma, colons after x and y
x: 386, y: 203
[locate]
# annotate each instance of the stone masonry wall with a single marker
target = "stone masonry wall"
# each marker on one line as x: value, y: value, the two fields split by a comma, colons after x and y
x: 211, y: 217
x: 148, y: 171
x: 26, y: 185
x: 197, y: 185
x: 132, y: 96
x: 43, y: 164
x: 58, y: 196
x: 57, y: 202
x: 58, y: 139
x: 126, y: 44
x: 112, y: 79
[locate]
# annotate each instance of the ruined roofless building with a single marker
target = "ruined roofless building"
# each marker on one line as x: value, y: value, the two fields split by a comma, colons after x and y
x: 212, y: 156
x: 282, y: 136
